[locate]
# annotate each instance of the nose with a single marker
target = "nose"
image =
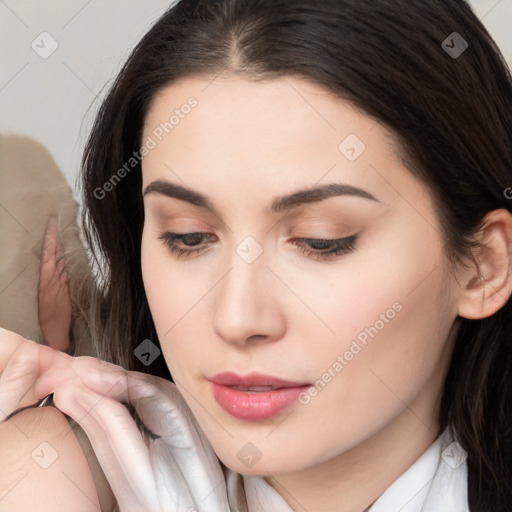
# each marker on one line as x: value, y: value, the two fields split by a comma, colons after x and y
x: 247, y: 303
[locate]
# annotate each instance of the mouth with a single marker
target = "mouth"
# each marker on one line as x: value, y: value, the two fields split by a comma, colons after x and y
x: 254, y: 397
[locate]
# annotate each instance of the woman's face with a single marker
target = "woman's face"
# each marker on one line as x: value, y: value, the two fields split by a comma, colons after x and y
x: 362, y: 338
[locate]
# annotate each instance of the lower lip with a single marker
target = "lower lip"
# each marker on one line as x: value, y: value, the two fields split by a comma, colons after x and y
x: 256, y: 405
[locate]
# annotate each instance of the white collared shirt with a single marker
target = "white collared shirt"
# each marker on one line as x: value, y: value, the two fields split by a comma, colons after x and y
x: 436, y: 482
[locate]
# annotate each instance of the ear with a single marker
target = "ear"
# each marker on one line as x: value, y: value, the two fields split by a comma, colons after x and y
x: 487, y: 284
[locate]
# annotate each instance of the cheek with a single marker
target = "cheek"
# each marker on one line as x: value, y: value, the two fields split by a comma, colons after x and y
x: 173, y: 299
x: 382, y: 295
x: 392, y: 326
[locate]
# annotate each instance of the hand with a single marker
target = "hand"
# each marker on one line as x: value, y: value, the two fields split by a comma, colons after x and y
x: 176, y: 470
x: 22, y: 362
x: 54, y: 303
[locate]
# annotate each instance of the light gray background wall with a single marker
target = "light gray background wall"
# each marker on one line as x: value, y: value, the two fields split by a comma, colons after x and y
x: 53, y: 99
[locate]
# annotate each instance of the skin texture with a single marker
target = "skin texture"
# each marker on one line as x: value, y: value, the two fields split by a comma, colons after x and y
x: 289, y: 314
x: 29, y: 485
x: 54, y: 303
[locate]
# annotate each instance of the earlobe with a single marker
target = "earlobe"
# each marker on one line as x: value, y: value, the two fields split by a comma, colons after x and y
x: 488, y: 284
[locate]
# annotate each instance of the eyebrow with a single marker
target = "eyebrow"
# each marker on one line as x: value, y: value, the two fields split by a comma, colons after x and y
x: 279, y: 204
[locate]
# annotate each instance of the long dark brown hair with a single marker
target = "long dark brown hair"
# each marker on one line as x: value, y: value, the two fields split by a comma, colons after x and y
x: 450, y: 112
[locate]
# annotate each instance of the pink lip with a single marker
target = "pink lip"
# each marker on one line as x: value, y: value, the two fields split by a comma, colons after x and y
x: 254, y: 405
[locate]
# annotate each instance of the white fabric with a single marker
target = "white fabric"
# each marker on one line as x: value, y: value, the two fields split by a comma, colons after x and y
x: 431, y: 484
x: 179, y: 471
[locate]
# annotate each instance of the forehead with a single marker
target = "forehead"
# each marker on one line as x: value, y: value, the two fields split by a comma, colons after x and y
x: 265, y: 133
x: 285, y: 107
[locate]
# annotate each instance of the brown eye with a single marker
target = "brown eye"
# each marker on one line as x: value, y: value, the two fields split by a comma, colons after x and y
x: 188, y: 239
x: 314, y: 247
x: 321, y: 248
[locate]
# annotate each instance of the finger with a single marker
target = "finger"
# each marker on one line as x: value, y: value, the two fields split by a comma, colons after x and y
x: 64, y: 277
x: 146, y: 393
x: 50, y: 241
x: 54, y: 284
x: 163, y: 410
x: 9, y: 341
x: 157, y: 401
x: 96, y: 375
x: 47, y: 272
x: 51, y: 270
x: 20, y: 371
x: 181, y: 449
x: 118, y: 445
x: 16, y: 389
x: 191, y: 479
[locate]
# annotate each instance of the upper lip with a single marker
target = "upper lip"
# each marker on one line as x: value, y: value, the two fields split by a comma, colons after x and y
x: 253, y: 379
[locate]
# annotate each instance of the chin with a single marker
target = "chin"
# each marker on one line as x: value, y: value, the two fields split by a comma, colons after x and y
x: 249, y: 461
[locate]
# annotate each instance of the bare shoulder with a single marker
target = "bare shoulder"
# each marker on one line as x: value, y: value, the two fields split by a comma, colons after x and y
x: 42, y: 465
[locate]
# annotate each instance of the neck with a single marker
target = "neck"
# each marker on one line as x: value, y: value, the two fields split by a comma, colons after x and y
x: 354, y: 480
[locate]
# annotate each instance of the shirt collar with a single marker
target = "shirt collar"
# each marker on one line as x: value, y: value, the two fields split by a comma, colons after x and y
x: 435, y: 482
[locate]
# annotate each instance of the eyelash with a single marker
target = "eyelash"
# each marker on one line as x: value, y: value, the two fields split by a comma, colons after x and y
x: 341, y: 245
